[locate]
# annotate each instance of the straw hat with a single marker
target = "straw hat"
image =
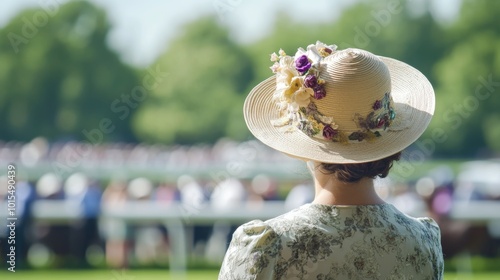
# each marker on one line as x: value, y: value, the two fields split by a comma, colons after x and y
x: 346, y: 106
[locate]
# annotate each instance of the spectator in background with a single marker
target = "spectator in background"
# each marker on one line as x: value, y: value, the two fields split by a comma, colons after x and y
x: 55, y: 236
x: 140, y: 189
x: 265, y: 187
x: 193, y: 199
x: 166, y: 193
x: 80, y: 192
x: 147, y: 237
x: 229, y: 195
x: 49, y: 186
x: 24, y: 198
x: 115, y: 232
x: 192, y: 195
x: 4, y: 231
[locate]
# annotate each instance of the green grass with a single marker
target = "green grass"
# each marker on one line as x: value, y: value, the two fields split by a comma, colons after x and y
x: 107, y: 275
x: 474, y: 276
x: 165, y: 275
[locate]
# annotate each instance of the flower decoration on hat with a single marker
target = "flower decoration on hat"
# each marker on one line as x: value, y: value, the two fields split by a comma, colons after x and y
x: 298, y: 81
x: 378, y: 120
x: 299, y: 86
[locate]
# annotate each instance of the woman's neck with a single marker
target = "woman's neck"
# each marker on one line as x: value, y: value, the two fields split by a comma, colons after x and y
x: 330, y: 191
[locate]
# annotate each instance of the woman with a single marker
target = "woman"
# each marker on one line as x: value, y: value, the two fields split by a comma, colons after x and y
x: 348, y: 114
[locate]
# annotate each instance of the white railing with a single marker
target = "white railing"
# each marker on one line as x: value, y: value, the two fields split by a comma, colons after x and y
x: 476, y: 211
x: 174, y: 216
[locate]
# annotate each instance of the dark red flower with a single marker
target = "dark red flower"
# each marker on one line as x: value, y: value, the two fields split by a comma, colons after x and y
x: 381, y: 122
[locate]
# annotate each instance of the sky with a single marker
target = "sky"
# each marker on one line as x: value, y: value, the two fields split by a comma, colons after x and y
x: 142, y: 29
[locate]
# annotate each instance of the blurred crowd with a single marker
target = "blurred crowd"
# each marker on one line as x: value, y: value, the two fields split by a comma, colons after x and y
x: 90, y: 241
x: 117, y: 241
x: 69, y: 155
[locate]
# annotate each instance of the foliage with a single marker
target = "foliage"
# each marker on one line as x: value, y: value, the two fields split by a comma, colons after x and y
x: 202, y: 97
x: 58, y: 76
x: 468, y: 80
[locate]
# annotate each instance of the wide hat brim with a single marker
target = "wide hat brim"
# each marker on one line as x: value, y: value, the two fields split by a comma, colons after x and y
x: 414, y: 102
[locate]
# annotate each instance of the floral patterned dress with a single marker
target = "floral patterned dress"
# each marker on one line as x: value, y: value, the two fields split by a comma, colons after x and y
x: 336, y: 242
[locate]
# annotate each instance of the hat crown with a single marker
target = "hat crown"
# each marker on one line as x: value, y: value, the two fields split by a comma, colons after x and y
x: 354, y: 80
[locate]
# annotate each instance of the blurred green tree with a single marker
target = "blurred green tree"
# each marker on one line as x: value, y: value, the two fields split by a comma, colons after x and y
x: 386, y: 28
x: 468, y: 83
x: 201, y: 99
x: 59, y: 77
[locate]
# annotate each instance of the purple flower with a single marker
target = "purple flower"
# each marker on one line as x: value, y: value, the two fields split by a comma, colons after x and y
x: 319, y: 92
x: 302, y: 64
x: 310, y: 81
x: 377, y: 105
x: 329, y: 132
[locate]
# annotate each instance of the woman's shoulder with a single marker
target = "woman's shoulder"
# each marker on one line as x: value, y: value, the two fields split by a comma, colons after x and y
x: 256, y: 236
x: 431, y: 228
x: 255, y: 229
x: 272, y: 229
x: 253, y: 248
x: 423, y: 226
x: 428, y: 222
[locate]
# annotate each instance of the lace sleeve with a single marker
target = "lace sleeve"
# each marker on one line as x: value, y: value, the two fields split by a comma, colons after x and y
x: 434, y: 239
x: 252, y: 253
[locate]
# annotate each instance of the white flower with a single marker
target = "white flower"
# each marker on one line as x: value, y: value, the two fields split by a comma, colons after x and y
x: 292, y: 109
x: 325, y: 50
x: 324, y: 119
x: 285, y: 75
x: 295, y: 85
x: 320, y: 45
x: 274, y: 57
x: 311, y: 53
x: 302, y: 96
x: 287, y: 62
x: 314, y: 55
x: 275, y: 67
x: 290, y: 89
x: 282, y: 53
x: 283, y: 81
x: 300, y: 51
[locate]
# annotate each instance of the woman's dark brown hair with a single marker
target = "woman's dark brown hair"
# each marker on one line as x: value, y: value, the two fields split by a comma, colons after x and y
x: 351, y: 173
